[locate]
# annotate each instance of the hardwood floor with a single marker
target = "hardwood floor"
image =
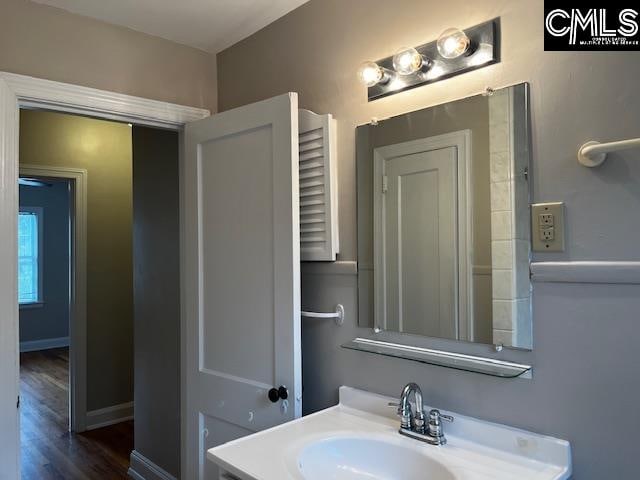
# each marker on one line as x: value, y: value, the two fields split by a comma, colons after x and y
x: 48, y: 450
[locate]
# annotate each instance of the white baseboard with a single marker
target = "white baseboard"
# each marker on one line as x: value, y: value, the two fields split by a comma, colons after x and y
x: 144, y: 469
x: 109, y: 415
x: 44, y: 344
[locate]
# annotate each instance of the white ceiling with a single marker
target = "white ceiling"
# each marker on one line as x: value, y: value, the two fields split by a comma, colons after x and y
x: 210, y: 25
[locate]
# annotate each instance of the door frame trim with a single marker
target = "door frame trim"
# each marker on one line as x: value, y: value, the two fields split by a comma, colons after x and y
x: 36, y: 93
x: 78, y: 287
x: 462, y: 141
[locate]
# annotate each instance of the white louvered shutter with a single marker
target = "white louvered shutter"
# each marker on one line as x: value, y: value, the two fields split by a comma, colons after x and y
x: 318, y: 187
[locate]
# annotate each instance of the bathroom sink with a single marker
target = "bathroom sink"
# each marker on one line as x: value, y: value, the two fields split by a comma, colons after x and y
x: 362, y: 458
x: 358, y: 439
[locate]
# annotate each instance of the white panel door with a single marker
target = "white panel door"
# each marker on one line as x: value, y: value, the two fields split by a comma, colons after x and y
x: 420, y: 238
x: 9, y: 417
x: 241, y: 270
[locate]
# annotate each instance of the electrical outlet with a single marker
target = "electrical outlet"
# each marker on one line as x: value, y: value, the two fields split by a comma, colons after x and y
x: 547, y: 227
x: 546, y: 219
x: 547, y: 234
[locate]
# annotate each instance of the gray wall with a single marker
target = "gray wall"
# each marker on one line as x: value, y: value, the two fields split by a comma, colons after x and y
x: 156, y: 297
x: 47, y: 42
x: 51, y: 320
x: 586, y: 383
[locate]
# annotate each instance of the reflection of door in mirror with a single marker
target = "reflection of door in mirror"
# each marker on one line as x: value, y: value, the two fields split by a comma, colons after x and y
x: 444, y: 252
x: 420, y: 244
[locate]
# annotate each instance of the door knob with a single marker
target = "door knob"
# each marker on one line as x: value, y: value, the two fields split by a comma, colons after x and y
x: 280, y: 393
x: 274, y: 396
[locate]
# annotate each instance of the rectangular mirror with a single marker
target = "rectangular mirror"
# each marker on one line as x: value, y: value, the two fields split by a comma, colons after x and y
x: 444, y: 223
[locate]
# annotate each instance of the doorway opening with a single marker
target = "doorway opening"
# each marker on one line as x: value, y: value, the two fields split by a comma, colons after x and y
x: 77, y: 389
x: 60, y: 424
x: 44, y: 283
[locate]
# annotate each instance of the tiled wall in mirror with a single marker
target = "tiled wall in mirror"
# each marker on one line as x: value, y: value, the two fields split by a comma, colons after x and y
x: 444, y: 223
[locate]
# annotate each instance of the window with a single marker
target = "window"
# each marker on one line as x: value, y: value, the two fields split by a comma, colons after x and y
x: 30, y: 255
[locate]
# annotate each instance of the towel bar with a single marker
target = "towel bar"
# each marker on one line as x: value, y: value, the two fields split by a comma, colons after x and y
x: 338, y: 315
x: 593, y: 154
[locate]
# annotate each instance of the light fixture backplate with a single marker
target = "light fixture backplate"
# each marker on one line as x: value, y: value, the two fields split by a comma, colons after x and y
x: 484, y: 50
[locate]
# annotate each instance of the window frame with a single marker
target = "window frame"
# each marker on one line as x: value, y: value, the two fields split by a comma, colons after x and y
x: 39, y: 213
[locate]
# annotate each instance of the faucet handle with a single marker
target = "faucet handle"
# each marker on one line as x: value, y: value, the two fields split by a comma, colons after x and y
x: 435, y: 417
x: 434, y: 428
x: 397, y: 405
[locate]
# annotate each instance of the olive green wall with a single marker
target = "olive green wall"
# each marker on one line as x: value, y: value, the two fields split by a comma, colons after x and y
x: 104, y: 150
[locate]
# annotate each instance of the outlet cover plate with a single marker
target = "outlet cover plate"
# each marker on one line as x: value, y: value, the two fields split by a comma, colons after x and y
x: 540, y: 222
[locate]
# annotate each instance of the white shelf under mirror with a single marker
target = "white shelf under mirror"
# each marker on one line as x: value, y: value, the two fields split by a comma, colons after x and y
x: 469, y: 363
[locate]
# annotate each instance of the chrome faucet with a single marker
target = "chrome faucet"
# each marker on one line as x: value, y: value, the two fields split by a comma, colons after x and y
x: 407, y: 419
x: 413, y: 424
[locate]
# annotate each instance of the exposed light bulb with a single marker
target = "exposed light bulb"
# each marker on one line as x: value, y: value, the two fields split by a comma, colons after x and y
x: 407, y: 61
x: 370, y: 74
x: 453, y: 43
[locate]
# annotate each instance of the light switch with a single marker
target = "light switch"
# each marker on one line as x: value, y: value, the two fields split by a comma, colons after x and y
x: 547, y: 225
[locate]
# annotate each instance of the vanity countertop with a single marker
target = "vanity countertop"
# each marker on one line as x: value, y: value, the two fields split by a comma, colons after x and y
x: 476, y: 450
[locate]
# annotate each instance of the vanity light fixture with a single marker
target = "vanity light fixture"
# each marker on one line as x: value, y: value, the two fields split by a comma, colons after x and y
x: 453, y: 43
x: 371, y: 74
x: 453, y: 53
x: 408, y: 61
